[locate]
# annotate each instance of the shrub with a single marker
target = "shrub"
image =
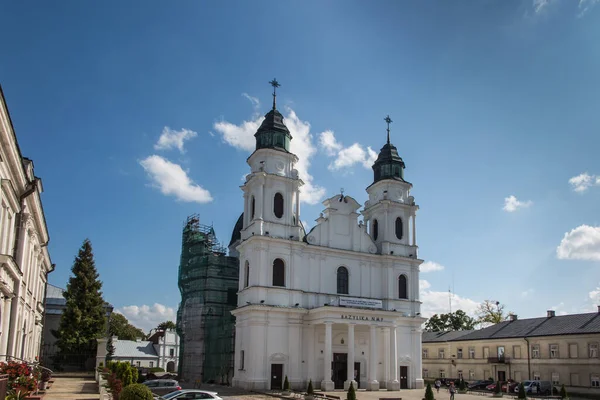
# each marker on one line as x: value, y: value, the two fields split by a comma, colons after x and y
x: 563, y: 392
x: 134, y: 375
x: 286, y: 384
x: 136, y: 391
x: 114, y: 386
x: 462, y: 386
x: 522, y: 394
x: 157, y: 369
x: 351, y: 392
x: 498, y: 387
x: 127, y: 377
x: 310, y: 391
x: 428, y: 392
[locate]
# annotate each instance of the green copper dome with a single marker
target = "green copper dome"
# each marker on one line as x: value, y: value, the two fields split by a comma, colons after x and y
x: 389, y: 164
x: 273, y: 133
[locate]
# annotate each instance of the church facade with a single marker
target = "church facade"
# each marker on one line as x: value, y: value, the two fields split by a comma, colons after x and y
x: 336, y: 305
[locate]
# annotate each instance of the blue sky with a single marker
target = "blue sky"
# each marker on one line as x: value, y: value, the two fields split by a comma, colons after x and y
x: 490, y: 99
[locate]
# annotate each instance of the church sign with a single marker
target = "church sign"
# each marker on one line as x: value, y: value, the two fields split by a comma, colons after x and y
x: 355, y: 302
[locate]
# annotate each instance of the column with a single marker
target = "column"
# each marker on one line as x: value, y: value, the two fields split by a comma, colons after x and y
x: 297, y: 207
x: 414, y: 229
x: 327, y: 383
x: 385, y: 334
x: 394, y: 383
x: 373, y: 382
x: 5, y: 326
x: 350, y: 372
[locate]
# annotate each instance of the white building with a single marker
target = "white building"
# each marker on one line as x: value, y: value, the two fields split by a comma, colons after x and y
x: 24, y: 259
x: 161, y: 350
x: 335, y: 305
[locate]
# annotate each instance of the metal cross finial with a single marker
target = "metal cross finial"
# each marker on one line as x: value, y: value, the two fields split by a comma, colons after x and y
x: 275, y: 85
x: 389, y: 121
x: 342, y: 191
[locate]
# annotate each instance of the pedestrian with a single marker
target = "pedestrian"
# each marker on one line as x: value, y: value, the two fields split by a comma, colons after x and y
x: 452, y: 390
x: 437, y: 385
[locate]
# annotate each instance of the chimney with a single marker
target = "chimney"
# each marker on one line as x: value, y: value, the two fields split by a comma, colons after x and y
x: 551, y: 313
x: 513, y: 317
x: 598, y: 309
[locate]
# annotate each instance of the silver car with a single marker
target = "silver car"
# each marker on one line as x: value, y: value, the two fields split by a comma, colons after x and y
x: 192, y: 394
x: 162, y: 387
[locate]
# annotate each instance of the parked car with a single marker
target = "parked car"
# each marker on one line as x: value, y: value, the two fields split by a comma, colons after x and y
x: 511, y: 386
x: 479, y: 385
x: 533, y: 387
x: 162, y: 386
x: 191, y: 394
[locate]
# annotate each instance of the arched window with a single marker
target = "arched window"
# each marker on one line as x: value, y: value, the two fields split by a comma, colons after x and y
x: 252, y: 208
x: 278, y: 205
x: 342, y: 280
x: 399, y: 228
x: 278, y: 272
x: 375, y: 228
x: 247, y: 274
x: 402, y: 289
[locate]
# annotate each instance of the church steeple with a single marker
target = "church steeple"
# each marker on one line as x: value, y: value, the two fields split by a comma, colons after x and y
x: 389, y: 165
x: 272, y: 132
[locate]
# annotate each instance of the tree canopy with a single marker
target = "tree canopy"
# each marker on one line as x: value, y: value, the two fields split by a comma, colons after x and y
x: 119, y: 326
x: 456, y: 321
x: 163, y: 326
x: 491, y: 312
x: 84, y: 318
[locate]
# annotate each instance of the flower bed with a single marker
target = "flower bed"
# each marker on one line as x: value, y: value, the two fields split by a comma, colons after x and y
x: 22, y: 379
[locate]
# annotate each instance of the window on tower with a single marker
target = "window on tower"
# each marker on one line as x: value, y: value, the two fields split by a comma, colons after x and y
x: 278, y: 205
x: 375, y: 228
x: 278, y: 272
x: 247, y: 274
x: 342, y: 280
x: 252, y: 208
x: 402, y: 289
x: 399, y: 228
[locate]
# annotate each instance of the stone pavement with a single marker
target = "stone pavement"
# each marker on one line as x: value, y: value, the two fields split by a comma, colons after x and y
x: 411, y: 394
x: 73, y: 387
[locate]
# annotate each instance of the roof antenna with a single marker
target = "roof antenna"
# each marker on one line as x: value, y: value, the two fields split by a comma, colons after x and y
x: 389, y: 121
x: 450, y: 299
x: 275, y: 85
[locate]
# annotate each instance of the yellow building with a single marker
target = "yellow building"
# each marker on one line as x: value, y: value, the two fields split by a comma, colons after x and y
x: 562, y: 349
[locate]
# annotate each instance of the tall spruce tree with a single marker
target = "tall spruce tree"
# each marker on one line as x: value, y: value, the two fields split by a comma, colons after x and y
x: 84, y: 318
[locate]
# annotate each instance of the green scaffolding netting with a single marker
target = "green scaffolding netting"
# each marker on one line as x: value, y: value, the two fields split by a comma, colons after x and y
x: 208, y: 282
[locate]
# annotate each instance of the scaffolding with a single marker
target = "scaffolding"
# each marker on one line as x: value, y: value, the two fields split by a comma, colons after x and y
x: 208, y: 282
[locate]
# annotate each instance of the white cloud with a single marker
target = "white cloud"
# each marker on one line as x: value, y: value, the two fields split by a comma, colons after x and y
x: 170, y: 139
x: 147, y: 317
x: 528, y: 292
x: 346, y: 157
x: 585, y: 6
x: 254, y: 100
x: 539, y: 5
x: 511, y: 204
x: 559, y: 309
x: 439, y: 302
x: 329, y: 143
x: 430, y: 266
x: 172, y: 180
x: 583, y: 182
x: 581, y: 243
x: 242, y: 137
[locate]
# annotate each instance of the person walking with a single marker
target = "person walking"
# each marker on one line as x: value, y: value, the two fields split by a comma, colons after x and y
x: 437, y: 385
x: 452, y: 390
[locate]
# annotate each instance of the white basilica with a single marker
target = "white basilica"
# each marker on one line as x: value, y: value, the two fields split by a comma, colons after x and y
x: 338, y: 304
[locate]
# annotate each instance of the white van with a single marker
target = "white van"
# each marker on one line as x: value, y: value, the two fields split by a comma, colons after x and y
x: 533, y: 387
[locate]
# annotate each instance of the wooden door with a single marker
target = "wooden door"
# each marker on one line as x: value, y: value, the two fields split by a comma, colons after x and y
x: 276, y: 376
x: 403, y: 377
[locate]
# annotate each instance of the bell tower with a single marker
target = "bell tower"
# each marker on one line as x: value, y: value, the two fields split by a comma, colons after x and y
x: 390, y: 211
x: 272, y: 189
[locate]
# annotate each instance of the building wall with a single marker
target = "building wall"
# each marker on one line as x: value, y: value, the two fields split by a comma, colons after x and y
x: 167, y: 349
x: 572, y: 366
x: 24, y: 257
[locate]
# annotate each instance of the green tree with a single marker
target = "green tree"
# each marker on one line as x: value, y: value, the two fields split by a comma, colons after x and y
x: 522, y: 394
x: 136, y: 391
x: 563, y: 392
x: 498, y: 388
x: 456, y: 321
x: 84, y: 318
x: 119, y: 326
x: 491, y: 312
x: 110, y: 349
x: 428, y: 392
x: 310, y: 391
x: 351, y: 392
x: 286, y: 384
x: 163, y: 326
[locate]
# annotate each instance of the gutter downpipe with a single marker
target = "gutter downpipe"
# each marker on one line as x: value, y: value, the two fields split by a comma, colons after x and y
x: 528, y: 358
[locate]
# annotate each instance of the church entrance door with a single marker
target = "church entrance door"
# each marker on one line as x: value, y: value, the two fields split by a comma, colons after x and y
x: 339, y: 368
x: 276, y: 376
x: 403, y: 377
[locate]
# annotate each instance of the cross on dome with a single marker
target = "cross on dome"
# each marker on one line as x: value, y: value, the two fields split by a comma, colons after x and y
x: 275, y: 85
